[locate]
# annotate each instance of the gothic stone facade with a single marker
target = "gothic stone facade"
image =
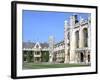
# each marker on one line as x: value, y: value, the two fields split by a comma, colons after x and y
x: 75, y: 48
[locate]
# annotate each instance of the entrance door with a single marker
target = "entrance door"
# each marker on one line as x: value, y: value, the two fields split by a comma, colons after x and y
x: 81, y: 57
x: 88, y: 58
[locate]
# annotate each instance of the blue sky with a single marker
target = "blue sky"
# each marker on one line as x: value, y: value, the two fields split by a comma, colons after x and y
x: 37, y: 26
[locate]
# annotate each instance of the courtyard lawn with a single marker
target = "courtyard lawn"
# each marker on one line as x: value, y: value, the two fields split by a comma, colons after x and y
x: 48, y: 65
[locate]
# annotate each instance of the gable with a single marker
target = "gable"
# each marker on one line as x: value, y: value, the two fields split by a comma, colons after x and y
x: 37, y: 45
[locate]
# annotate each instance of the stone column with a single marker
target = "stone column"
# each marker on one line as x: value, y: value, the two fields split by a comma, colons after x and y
x: 51, y: 48
x: 66, y: 41
x: 73, y: 20
x: 87, y: 57
x: 89, y: 33
x: 72, y: 47
x: 78, y: 57
x: 89, y: 37
x: 81, y: 39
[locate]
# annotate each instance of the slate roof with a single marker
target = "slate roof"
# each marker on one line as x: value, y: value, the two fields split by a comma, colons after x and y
x: 44, y: 45
x: 59, y: 43
x: 28, y: 45
x: 31, y: 45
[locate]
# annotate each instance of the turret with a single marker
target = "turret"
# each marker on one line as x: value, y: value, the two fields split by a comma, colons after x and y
x: 66, y: 27
x: 81, y: 19
x: 73, y: 20
x: 51, y: 48
x: 89, y: 20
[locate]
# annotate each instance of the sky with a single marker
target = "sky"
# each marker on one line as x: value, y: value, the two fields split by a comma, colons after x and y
x: 37, y: 26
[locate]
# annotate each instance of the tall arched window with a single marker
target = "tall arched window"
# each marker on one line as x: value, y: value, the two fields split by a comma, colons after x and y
x: 85, y: 37
x: 77, y: 39
x: 68, y: 35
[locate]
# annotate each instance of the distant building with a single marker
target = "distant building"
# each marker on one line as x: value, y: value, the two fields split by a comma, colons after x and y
x: 35, y: 52
x: 75, y: 48
x: 59, y: 52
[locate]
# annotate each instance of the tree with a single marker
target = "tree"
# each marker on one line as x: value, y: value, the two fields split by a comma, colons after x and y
x: 29, y: 56
x: 45, y: 56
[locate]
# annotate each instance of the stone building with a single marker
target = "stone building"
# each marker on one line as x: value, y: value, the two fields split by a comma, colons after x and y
x: 59, y: 52
x: 75, y: 48
x: 35, y: 52
x: 77, y: 40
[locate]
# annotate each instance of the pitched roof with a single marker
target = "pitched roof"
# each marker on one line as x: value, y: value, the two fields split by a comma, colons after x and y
x: 59, y: 43
x: 32, y: 45
x: 28, y: 45
x: 44, y: 45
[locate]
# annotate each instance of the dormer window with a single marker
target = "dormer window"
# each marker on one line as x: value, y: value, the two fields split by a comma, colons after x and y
x: 37, y: 46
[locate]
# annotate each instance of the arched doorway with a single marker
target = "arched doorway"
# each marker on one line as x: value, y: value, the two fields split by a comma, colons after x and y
x: 88, y: 58
x: 81, y: 57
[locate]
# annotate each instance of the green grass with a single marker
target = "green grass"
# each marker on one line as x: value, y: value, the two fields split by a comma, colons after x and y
x: 48, y: 65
